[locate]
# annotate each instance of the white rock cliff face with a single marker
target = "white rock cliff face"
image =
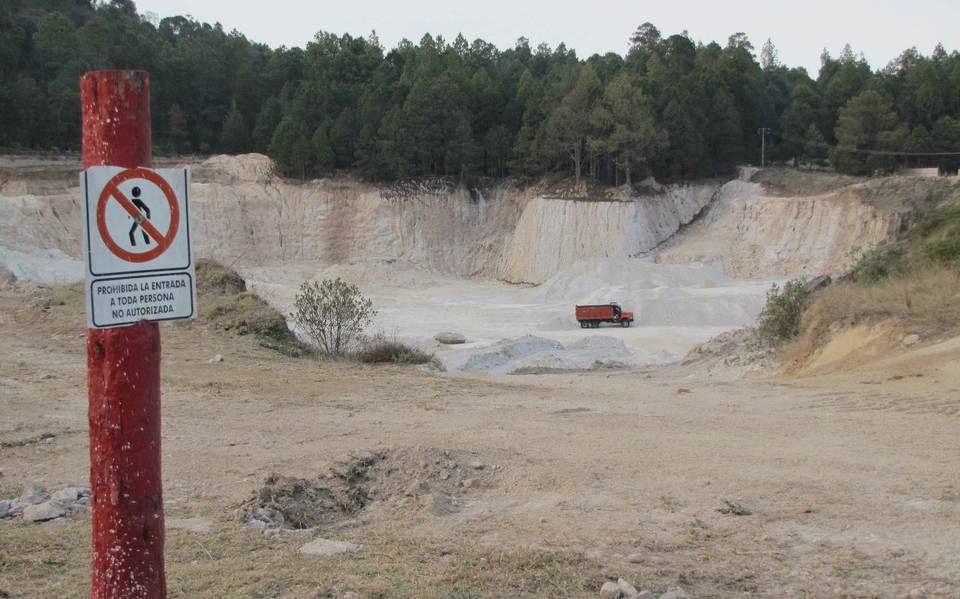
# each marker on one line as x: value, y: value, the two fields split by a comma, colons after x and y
x: 553, y: 234
x: 347, y: 222
x: 506, y: 233
x: 242, y: 216
x: 749, y: 234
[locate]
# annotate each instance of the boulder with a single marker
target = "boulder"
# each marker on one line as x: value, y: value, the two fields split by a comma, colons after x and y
x: 911, y: 340
x: 450, y: 338
x: 817, y: 283
x: 676, y: 593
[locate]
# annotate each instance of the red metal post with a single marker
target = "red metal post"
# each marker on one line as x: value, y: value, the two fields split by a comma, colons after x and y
x: 123, y: 376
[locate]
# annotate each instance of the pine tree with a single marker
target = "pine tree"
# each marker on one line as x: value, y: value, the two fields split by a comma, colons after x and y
x: 177, y: 129
x: 569, y: 125
x: 267, y: 121
x: 234, y: 137
x: 867, y: 123
x: 625, y: 127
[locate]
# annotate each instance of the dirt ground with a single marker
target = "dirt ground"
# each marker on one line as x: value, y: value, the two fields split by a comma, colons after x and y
x: 851, y: 480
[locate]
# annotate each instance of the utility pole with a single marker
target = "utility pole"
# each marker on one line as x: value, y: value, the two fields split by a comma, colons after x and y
x: 763, y: 132
x: 123, y: 376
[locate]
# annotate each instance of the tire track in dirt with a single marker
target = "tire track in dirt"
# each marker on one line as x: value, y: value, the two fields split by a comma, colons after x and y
x: 948, y: 405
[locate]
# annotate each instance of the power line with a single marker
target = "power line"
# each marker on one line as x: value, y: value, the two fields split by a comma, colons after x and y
x: 864, y: 151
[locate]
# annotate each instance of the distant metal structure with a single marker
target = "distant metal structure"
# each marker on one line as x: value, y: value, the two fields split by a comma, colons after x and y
x: 763, y: 132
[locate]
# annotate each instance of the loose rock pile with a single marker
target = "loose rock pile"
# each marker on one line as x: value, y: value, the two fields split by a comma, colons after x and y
x: 36, y: 505
x: 429, y: 480
x: 740, y: 351
x: 624, y: 590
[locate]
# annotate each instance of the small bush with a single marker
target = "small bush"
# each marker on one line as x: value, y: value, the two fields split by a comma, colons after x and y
x: 333, y: 313
x: 780, y: 318
x: 934, y: 240
x: 214, y: 278
x: 946, y: 251
x: 380, y: 350
x: 878, y: 263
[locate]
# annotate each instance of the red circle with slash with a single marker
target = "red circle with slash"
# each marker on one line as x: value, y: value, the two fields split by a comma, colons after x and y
x: 112, y: 191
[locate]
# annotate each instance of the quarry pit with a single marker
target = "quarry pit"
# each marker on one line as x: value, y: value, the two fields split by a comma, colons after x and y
x: 536, y: 459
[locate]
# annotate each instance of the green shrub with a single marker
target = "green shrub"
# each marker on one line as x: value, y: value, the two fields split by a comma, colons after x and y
x: 332, y: 313
x: 878, y: 263
x: 780, y: 318
x: 946, y: 251
x: 380, y: 350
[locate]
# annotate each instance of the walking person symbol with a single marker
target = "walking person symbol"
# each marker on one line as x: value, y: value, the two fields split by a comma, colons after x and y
x: 142, y: 207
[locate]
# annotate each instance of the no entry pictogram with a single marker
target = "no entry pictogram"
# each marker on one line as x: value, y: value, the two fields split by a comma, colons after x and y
x: 112, y: 191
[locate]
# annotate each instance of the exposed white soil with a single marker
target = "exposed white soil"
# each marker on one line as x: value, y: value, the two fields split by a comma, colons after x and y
x: 748, y: 233
x: 493, y: 264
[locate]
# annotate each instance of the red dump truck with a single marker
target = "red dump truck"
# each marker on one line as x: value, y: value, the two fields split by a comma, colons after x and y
x: 591, y: 316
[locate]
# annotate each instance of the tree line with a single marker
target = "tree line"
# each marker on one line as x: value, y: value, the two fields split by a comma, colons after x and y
x: 668, y: 107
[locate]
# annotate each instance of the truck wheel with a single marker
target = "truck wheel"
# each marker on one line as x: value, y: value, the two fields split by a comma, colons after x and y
x: 628, y: 323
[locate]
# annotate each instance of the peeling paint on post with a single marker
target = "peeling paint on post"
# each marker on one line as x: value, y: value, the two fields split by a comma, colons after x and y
x: 123, y: 376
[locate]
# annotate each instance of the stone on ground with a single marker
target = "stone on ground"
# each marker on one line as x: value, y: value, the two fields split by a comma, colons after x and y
x: 6, y: 277
x: 33, y: 494
x: 68, y: 495
x: 201, y: 525
x: 626, y: 588
x: 264, y: 517
x: 8, y: 507
x: 43, y: 512
x: 677, y: 593
x: 326, y: 547
x: 610, y: 590
x: 448, y: 338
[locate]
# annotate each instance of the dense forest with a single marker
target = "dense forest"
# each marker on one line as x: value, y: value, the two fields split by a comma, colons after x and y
x: 669, y: 107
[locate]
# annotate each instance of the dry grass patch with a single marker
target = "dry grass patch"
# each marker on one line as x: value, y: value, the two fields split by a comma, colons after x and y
x: 380, y: 350
x: 792, y: 182
x: 53, y: 560
x: 926, y: 303
x: 227, y: 305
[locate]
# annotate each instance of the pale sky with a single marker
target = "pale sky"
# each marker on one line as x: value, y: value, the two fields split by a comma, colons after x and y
x: 800, y: 29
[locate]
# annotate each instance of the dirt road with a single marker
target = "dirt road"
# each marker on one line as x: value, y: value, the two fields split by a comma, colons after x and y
x: 852, y: 482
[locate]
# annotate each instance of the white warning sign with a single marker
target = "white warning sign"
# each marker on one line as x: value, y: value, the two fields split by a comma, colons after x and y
x: 136, y: 225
